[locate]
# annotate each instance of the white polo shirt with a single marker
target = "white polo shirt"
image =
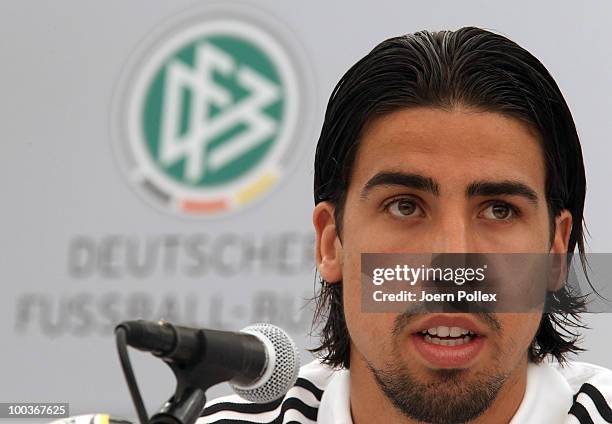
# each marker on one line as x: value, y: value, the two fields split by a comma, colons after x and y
x: 576, y: 393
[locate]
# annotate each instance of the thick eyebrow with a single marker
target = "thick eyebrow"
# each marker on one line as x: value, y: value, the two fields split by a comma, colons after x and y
x: 410, y: 180
x: 501, y: 188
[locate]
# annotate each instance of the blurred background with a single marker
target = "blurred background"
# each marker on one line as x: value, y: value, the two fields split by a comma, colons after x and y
x: 110, y: 213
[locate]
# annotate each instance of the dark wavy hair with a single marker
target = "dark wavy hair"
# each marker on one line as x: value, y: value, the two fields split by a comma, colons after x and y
x: 469, y: 67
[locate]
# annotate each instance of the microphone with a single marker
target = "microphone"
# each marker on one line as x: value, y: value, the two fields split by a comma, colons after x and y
x: 261, y: 362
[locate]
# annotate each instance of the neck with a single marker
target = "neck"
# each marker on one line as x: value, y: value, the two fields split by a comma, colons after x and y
x: 369, y: 403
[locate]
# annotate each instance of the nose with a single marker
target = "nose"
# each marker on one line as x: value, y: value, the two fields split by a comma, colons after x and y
x: 452, y: 243
x: 452, y: 233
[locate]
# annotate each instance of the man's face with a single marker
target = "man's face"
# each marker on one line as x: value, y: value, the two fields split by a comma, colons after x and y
x: 416, y: 187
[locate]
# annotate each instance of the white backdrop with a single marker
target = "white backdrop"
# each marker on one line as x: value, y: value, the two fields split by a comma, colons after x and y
x: 71, y: 219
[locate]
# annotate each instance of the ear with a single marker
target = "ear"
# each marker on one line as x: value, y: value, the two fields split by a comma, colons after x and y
x: 328, y: 249
x: 563, y: 229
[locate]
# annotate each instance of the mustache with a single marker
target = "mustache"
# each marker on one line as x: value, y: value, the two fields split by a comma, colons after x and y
x: 406, y: 318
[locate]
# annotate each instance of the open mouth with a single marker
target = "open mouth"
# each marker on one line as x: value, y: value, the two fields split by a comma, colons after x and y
x: 448, y: 342
x: 448, y: 336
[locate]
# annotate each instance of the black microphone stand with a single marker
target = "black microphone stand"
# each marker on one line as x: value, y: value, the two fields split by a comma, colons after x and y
x: 199, y: 360
x: 187, y: 403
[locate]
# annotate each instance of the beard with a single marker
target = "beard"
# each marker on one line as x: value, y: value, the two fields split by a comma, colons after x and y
x: 449, y: 398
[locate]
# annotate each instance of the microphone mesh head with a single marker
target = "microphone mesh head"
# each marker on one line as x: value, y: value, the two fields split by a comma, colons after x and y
x: 285, y: 371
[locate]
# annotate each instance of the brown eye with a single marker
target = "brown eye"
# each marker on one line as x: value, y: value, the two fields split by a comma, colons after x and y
x: 499, y: 212
x: 403, y: 207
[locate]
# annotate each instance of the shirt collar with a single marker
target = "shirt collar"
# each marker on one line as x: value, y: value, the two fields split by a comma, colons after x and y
x: 335, y: 407
x: 547, y: 398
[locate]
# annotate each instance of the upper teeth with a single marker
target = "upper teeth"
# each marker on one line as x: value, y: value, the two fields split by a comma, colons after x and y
x: 442, y: 331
